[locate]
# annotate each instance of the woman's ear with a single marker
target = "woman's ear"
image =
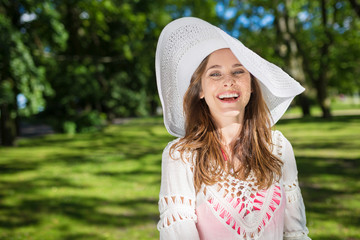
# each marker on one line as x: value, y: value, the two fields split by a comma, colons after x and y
x: 201, y: 95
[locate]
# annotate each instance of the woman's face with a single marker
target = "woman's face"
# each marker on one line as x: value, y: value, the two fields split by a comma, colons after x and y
x: 226, y: 85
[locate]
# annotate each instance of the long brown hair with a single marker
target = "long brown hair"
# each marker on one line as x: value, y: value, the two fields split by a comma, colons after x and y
x: 253, y: 146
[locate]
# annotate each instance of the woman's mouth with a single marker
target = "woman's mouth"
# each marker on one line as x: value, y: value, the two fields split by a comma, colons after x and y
x: 228, y: 97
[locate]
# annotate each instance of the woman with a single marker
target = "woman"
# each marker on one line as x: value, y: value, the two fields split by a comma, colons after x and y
x: 227, y: 176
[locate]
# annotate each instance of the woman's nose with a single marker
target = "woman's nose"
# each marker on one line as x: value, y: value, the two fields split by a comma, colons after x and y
x: 228, y: 80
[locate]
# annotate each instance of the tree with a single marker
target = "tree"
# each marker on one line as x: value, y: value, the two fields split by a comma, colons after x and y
x: 107, y: 68
x: 19, y: 72
x: 285, y: 24
x: 310, y: 40
x: 94, y: 60
x: 94, y: 55
x: 267, y: 28
x: 319, y: 40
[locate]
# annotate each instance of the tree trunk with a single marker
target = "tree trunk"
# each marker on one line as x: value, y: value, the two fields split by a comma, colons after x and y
x: 304, y: 103
x: 322, y: 98
x: 285, y: 26
x: 322, y: 80
x: 7, y: 126
x: 298, y: 73
x: 8, y: 122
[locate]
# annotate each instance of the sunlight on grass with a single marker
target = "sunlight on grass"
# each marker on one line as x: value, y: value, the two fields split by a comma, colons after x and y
x: 105, y: 185
x: 328, y: 158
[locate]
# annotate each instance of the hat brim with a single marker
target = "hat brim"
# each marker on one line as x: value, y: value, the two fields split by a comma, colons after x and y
x: 182, y: 46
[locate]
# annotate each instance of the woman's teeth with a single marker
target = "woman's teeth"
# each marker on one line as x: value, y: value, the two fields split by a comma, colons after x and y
x: 232, y: 95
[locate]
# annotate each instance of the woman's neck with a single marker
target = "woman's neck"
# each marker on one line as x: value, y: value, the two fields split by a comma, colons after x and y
x: 229, y: 127
x: 229, y: 133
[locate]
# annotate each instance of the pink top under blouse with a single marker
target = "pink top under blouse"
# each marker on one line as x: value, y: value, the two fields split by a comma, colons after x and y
x: 231, y: 209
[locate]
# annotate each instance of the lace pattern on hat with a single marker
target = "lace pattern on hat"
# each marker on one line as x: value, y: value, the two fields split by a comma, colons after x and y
x: 177, y: 44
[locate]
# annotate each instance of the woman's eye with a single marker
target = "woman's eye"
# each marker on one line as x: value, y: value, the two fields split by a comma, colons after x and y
x: 215, y: 74
x: 238, y: 72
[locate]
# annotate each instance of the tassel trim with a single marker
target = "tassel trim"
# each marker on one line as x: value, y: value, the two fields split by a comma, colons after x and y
x: 301, y: 235
x: 175, y: 209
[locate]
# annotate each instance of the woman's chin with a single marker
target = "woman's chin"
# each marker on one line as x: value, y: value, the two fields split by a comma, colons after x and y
x: 234, y: 113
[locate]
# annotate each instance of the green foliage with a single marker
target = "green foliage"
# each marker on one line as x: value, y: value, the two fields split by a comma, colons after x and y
x: 90, y: 121
x: 6, y: 93
x: 69, y: 127
x: 55, y: 32
x: 22, y: 47
x: 29, y: 78
x: 97, y: 57
x: 337, y: 67
x: 21, y: 73
x: 105, y: 185
x: 108, y: 65
x: 345, y: 65
x: 341, y: 32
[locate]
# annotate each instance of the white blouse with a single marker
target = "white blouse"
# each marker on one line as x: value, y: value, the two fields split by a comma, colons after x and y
x: 231, y: 208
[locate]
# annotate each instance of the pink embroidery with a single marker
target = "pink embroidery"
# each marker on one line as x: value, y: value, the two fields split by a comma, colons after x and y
x: 245, y: 206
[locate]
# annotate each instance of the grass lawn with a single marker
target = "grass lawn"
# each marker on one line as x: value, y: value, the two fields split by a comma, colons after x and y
x: 105, y: 185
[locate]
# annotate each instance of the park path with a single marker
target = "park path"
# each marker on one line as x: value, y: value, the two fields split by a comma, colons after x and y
x: 28, y: 130
x: 34, y: 130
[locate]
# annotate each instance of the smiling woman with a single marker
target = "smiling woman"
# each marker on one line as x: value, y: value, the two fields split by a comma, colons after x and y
x: 227, y: 176
x: 225, y: 86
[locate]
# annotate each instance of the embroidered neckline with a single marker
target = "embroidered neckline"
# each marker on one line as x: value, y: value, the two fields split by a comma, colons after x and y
x: 241, y: 207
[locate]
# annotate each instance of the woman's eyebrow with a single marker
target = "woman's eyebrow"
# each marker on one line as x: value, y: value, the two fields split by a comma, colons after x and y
x: 218, y: 66
x: 214, y: 66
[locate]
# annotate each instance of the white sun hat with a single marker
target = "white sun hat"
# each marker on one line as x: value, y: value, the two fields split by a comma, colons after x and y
x: 182, y: 46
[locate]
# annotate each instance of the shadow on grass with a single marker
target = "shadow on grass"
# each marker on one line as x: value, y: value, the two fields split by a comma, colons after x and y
x: 140, y: 142
x: 83, y: 236
x: 333, y: 119
x: 85, y: 210
x: 340, y: 182
x: 328, y: 172
x: 326, y: 145
x: 317, y: 166
x: 28, y: 198
x: 132, y: 173
x: 36, y: 184
x: 16, y: 166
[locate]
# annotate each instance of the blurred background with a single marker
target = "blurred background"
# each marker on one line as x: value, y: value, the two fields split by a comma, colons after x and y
x: 81, y: 126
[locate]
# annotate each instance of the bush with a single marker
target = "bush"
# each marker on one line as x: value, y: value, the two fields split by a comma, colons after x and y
x: 69, y: 127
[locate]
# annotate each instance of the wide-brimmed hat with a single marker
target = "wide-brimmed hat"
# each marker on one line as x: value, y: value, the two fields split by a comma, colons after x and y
x: 182, y: 46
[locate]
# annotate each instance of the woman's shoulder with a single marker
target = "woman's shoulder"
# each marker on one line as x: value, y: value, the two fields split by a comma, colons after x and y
x: 173, y: 152
x: 277, y: 135
x: 280, y: 144
x: 279, y: 139
x: 284, y: 150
